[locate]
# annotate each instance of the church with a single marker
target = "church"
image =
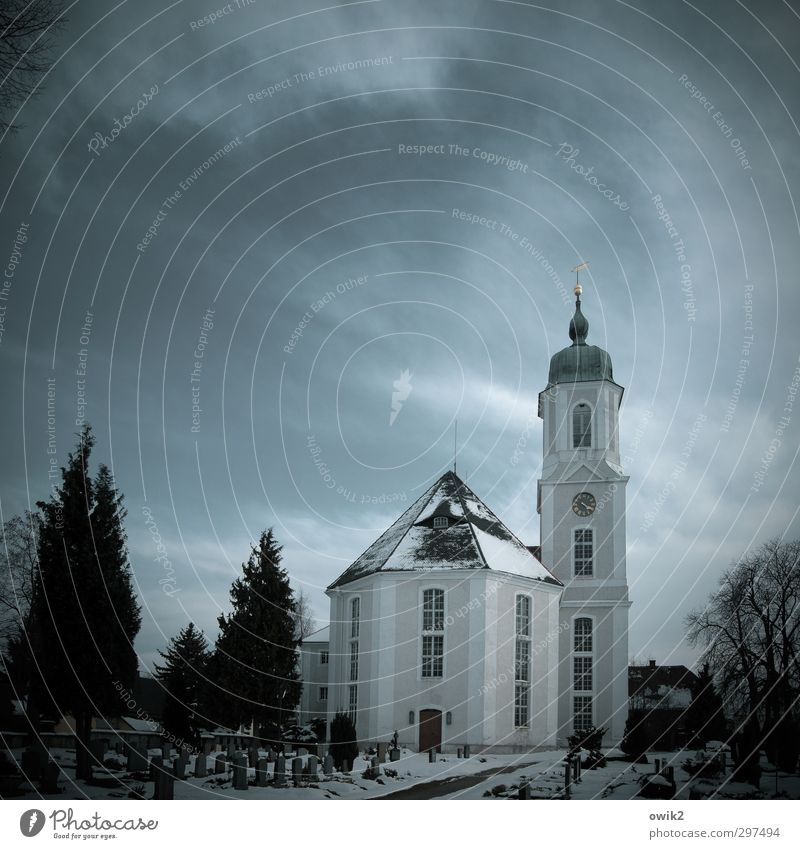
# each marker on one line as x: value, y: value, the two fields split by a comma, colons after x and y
x: 452, y: 632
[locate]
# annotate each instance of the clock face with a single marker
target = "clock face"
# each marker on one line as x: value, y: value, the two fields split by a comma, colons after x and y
x: 583, y: 504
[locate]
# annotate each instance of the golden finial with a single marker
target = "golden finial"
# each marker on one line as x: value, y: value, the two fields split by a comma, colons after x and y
x: 578, y: 287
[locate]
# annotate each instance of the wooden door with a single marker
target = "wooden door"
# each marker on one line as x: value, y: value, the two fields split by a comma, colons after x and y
x: 430, y: 730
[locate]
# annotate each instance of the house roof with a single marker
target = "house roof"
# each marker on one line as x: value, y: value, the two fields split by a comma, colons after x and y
x: 474, y: 539
x: 322, y: 635
x: 645, y: 680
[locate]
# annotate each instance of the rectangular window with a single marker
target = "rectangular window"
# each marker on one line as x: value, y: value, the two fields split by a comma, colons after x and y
x: 354, y: 660
x: 323, y: 657
x: 433, y: 610
x: 582, y: 673
x: 522, y: 659
x: 432, y: 656
x: 355, y: 617
x: 520, y: 705
x: 584, y: 566
x: 323, y: 694
x: 352, y: 706
x: 582, y: 712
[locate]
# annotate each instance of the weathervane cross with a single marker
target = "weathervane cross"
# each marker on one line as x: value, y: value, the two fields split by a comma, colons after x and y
x: 577, y: 270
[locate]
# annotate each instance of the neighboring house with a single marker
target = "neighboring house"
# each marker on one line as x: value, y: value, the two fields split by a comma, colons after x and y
x: 450, y: 631
x: 659, y: 696
x: 314, y: 657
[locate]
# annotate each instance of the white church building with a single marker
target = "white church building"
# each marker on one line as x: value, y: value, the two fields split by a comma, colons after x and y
x: 451, y: 631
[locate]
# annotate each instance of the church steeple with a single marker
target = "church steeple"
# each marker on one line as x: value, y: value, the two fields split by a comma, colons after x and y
x: 578, y: 326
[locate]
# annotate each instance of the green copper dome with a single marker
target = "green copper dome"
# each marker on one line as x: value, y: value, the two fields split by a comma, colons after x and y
x: 580, y: 361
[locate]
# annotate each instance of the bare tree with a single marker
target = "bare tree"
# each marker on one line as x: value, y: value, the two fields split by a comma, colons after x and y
x: 18, y: 564
x: 750, y: 633
x: 26, y: 40
x: 305, y: 623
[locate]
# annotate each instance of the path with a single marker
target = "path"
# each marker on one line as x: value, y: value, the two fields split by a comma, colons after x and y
x: 445, y: 786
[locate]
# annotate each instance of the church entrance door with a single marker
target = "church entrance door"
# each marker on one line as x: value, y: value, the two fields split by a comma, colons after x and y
x: 430, y: 730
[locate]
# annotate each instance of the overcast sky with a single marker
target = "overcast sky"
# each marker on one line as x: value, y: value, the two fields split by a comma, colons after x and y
x: 257, y: 237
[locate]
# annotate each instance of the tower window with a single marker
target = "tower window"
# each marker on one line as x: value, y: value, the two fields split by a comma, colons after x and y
x: 582, y: 426
x: 582, y: 677
x: 440, y: 521
x: 582, y: 712
x: 584, y: 553
x: 583, y: 635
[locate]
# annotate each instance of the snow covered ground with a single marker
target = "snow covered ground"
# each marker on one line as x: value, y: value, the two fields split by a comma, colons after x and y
x: 490, y: 777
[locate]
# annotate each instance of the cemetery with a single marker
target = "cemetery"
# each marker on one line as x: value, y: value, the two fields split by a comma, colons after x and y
x: 125, y: 771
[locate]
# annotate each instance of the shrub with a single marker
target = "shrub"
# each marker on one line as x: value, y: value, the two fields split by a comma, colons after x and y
x: 635, y: 741
x: 344, y: 746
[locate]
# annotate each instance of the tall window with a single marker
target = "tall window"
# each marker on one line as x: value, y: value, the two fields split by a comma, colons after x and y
x: 432, y: 633
x: 352, y: 704
x: 582, y: 426
x: 582, y: 675
x: 355, y: 628
x: 522, y: 660
x: 323, y: 694
x: 584, y: 553
x: 323, y: 657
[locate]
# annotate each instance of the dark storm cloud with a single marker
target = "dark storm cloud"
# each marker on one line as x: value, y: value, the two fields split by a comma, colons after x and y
x: 315, y: 194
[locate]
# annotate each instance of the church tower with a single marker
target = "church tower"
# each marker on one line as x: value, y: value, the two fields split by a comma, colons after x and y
x: 581, y: 504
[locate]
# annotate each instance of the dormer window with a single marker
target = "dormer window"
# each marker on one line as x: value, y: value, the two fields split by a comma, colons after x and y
x: 440, y: 522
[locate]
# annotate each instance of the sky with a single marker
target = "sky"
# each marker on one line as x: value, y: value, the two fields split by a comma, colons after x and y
x: 229, y: 235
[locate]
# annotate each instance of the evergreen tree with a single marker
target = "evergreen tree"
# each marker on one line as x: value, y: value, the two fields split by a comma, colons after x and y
x: 705, y: 716
x: 85, y: 612
x: 254, y: 667
x: 183, y: 676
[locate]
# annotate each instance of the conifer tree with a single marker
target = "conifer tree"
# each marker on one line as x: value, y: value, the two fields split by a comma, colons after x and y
x: 183, y: 677
x: 85, y: 613
x: 255, y: 663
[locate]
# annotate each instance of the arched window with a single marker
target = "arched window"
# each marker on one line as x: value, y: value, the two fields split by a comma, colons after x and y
x: 440, y: 521
x: 582, y: 674
x: 433, y: 633
x: 582, y: 426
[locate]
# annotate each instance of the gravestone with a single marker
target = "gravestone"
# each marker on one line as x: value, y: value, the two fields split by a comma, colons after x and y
x: 524, y: 790
x: 297, y: 771
x: 432, y: 756
x: 166, y: 752
x: 327, y: 768
x: 382, y: 749
x: 50, y: 775
x: 137, y: 762
x: 374, y: 770
x: 179, y: 769
x: 207, y: 744
x: 240, y: 773
x: 165, y: 785
x: 97, y: 749
x: 200, y: 766
x: 252, y: 755
x: 313, y: 767
x: 220, y: 764
x: 302, y: 752
x: 231, y: 752
x: 347, y: 767
x: 261, y: 772
x: 466, y: 750
x: 280, y: 771
x: 31, y: 764
x: 271, y: 756
x: 394, y: 755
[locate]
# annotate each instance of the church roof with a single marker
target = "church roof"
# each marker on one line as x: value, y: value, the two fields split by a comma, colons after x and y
x: 579, y: 361
x: 473, y: 539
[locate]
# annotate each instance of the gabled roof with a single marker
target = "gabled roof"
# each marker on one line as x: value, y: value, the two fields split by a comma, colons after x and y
x: 474, y: 539
x: 644, y: 680
x: 321, y: 635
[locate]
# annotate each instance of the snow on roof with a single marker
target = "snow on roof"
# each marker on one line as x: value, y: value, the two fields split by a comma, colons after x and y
x: 474, y: 539
x: 140, y: 724
x: 323, y: 635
